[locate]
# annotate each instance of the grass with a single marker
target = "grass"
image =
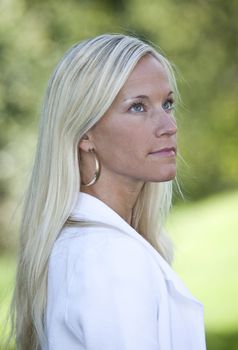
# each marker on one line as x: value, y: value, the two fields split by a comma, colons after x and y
x: 206, y: 258
x: 206, y: 240
x: 7, y: 273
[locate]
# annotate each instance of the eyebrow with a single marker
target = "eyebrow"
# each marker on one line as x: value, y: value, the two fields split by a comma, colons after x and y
x: 143, y: 96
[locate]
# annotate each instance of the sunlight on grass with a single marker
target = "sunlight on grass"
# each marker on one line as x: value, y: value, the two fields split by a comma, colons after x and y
x: 206, y: 239
x: 7, y: 273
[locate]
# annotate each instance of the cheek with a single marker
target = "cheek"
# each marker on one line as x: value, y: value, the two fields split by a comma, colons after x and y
x: 122, y: 151
x: 117, y: 139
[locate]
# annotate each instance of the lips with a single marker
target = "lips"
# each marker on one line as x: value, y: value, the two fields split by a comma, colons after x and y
x: 166, y: 151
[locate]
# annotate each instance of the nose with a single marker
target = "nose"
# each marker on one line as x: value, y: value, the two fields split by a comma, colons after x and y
x: 166, y: 124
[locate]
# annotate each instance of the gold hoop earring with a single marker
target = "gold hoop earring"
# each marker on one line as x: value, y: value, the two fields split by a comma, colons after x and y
x: 97, y: 170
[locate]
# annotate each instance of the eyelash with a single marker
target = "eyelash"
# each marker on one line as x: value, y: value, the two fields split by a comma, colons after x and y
x: 136, y: 104
x: 172, y: 102
x: 141, y: 103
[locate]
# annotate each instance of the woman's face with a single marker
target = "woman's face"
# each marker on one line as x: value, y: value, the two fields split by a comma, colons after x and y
x: 136, y: 138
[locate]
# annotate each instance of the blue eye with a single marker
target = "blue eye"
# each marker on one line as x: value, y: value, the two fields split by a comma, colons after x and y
x: 168, y: 105
x: 137, y: 107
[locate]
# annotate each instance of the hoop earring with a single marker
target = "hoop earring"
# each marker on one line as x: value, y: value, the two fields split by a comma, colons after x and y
x: 97, y: 170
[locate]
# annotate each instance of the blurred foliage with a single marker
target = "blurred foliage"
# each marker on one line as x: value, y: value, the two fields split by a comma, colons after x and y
x: 198, y: 36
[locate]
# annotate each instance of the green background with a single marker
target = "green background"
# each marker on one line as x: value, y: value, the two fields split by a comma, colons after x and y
x: 200, y: 38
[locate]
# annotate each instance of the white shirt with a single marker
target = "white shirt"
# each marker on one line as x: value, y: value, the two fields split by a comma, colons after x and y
x: 109, y: 289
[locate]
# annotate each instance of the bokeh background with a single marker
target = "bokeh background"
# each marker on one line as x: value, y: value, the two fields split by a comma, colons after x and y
x: 200, y: 38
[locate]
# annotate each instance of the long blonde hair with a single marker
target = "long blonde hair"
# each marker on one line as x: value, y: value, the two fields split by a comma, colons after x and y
x: 80, y: 91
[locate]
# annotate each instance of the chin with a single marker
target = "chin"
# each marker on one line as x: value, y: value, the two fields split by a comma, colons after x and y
x: 164, y: 176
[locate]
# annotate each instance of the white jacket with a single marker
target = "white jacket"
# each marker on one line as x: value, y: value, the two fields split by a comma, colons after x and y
x: 109, y: 289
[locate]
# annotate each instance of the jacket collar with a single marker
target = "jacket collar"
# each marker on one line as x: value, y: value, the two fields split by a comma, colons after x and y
x: 90, y: 208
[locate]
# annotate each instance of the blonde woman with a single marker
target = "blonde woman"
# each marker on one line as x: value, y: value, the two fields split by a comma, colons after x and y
x: 94, y: 265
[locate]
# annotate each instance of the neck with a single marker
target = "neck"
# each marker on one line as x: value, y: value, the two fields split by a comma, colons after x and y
x: 120, y: 196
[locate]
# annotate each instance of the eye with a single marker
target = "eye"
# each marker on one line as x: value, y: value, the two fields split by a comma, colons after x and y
x: 168, y: 105
x: 137, y: 107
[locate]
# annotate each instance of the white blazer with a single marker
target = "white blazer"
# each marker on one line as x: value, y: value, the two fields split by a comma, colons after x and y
x: 109, y: 289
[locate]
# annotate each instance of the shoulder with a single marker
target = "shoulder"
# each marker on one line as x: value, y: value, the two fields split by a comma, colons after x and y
x: 104, y: 252
x: 115, y: 271
x: 89, y: 242
x: 116, y: 254
x: 110, y: 292
x: 104, y: 275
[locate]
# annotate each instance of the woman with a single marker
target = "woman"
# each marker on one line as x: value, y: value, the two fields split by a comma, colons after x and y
x: 94, y: 269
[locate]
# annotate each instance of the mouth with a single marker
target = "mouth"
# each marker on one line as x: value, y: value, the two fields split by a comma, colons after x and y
x: 165, y: 152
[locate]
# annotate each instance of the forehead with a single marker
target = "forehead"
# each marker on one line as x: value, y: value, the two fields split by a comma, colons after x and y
x: 148, y: 74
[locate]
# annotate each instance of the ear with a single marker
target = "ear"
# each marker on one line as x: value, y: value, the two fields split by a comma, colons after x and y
x: 85, y: 144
